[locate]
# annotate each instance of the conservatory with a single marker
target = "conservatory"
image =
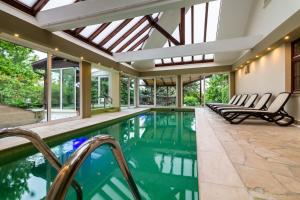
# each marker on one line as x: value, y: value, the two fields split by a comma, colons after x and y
x: 196, y: 99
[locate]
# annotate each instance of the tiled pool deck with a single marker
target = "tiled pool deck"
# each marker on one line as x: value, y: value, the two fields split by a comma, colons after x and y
x: 258, y: 161
x: 254, y: 160
x: 52, y: 129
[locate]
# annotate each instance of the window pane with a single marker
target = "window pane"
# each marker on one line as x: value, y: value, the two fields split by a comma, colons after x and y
x: 297, y: 48
x: 28, y: 3
x: 166, y: 91
x: 192, y: 90
x: 57, y: 3
x: 124, y: 91
x: 22, y: 85
x: 131, y: 88
x: 212, y: 20
x: 297, y: 76
x: 216, y: 88
x: 146, y: 91
x: 65, y: 98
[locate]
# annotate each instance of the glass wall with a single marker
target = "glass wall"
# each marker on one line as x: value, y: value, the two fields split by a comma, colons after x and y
x: 124, y: 91
x: 23, y: 75
x: 166, y: 91
x: 65, y: 93
x: 100, y: 89
x: 193, y: 87
x: 217, y: 88
x: 127, y: 91
x: 146, y: 91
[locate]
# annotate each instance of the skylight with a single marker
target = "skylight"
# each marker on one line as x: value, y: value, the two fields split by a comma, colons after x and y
x: 197, y: 29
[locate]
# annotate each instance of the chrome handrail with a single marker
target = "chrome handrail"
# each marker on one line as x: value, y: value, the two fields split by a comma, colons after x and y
x: 42, y: 147
x: 64, y: 178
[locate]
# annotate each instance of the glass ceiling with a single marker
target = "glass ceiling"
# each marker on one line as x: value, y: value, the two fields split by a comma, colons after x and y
x: 198, y: 29
x: 200, y: 25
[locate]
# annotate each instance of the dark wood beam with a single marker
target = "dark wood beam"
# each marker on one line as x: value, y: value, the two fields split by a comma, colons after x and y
x: 182, y: 26
x: 123, y: 37
x: 134, y: 38
x: 19, y: 5
x: 72, y: 33
x: 39, y: 5
x: 114, y: 32
x: 78, y: 30
x: 161, y: 30
x: 139, y: 43
x: 101, y: 28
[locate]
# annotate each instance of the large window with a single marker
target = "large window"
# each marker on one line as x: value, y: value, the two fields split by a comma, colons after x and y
x: 100, y: 91
x: 166, y: 91
x: 193, y: 89
x: 65, y: 93
x: 23, y: 98
x: 217, y: 88
x: 127, y: 91
x: 146, y: 91
x: 296, y: 66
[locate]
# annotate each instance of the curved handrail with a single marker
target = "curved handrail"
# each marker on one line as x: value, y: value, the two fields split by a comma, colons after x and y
x: 42, y: 147
x: 63, y: 180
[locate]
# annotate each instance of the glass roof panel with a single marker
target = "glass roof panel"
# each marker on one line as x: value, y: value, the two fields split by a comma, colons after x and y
x: 198, y: 57
x: 57, y: 3
x: 199, y: 20
x: 122, y: 31
x: 112, y: 26
x: 187, y: 58
x: 130, y: 36
x: 87, y: 31
x: 167, y: 60
x: 209, y: 56
x: 138, y: 39
x: 212, y: 20
x: 157, y: 61
x: 28, y: 3
x: 177, y: 59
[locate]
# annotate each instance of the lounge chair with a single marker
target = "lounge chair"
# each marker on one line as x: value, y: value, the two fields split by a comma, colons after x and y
x: 275, y: 112
x: 241, y: 102
x: 230, y: 102
x: 249, y: 104
x: 234, y: 102
x: 261, y: 105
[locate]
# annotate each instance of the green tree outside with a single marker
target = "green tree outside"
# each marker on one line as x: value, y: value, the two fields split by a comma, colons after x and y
x: 20, y: 86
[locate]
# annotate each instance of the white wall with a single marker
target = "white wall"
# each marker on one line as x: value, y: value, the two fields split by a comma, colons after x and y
x: 267, y: 74
x: 264, y: 20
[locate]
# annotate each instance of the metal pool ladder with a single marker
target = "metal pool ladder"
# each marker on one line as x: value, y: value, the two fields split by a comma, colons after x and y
x: 67, y: 172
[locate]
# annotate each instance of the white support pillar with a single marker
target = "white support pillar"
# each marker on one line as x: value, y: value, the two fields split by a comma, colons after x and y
x: 136, y: 91
x: 154, y: 92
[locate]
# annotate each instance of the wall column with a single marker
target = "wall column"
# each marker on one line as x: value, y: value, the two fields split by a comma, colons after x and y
x: 85, y: 89
x: 231, y: 84
x: 115, y: 89
x: 179, y: 91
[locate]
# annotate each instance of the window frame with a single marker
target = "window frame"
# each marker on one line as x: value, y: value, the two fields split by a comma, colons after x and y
x: 294, y: 60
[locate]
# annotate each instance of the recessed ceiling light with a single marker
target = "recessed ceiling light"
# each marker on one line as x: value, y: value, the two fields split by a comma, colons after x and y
x: 56, y: 49
x: 257, y: 56
x: 287, y: 37
x: 248, y: 62
x: 16, y: 35
x: 269, y: 49
x: 81, y: 58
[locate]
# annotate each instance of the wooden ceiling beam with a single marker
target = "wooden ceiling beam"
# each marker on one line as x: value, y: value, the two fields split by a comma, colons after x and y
x: 182, y: 26
x: 78, y: 30
x: 161, y: 30
x: 123, y: 37
x: 139, y: 43
x: 38, y: 6
x: 114, y: 32
x: 101, y: 28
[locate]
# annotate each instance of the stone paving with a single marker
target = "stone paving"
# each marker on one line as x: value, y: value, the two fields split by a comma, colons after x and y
x: 265, y: 156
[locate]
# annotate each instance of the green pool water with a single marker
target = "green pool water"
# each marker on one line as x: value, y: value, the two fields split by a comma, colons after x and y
x: 160, y: 149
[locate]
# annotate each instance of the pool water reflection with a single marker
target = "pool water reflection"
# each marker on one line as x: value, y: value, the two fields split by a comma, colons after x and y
x: 160, y: 149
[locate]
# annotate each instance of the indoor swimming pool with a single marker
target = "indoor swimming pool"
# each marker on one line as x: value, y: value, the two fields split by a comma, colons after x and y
x: 160, y: 149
